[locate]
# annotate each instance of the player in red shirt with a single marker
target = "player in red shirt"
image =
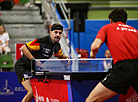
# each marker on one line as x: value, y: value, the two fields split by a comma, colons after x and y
x: 122, y: 41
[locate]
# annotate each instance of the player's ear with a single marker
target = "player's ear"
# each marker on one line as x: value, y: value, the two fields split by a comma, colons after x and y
x: 50, y: 32
x: 111, y: 21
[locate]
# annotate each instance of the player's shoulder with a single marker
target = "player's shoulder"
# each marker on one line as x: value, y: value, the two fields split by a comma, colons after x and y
x: 44, y: 39
x: 110, y: 26
x: 105, y: 27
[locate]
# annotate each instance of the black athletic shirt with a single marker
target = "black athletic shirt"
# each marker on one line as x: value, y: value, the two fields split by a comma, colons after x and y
x: 43, y: 48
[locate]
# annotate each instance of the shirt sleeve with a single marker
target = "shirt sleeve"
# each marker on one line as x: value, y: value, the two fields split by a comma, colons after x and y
x: 33, y: 45
x: 59, y: 53
x: 102, y: 34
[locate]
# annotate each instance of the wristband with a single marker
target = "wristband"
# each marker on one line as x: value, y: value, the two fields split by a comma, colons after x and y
x: 33, y: 59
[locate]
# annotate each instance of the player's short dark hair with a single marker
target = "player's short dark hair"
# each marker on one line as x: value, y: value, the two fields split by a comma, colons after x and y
x: 118, y: 14
x: 56, y: 26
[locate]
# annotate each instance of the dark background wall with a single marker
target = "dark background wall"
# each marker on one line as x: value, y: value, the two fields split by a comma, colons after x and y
x: 91, y: 29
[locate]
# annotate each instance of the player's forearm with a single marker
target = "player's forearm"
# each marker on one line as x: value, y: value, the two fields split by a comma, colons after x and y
x: 95, y: 47
x: 26, y: 52
x: 63, y: 57
x: 94, y: 51
x: 92, y: 55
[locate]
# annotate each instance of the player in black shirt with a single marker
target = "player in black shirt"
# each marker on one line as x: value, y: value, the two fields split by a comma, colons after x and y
x: 40, y: 48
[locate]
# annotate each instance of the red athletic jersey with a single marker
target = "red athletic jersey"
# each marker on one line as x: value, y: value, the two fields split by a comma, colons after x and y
x: 121, y: 39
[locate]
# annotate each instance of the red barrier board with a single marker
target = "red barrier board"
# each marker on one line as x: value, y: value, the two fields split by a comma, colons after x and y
x: 18, y: 51
x: 53, y: 91
x: 58, y: 91
x: 16, y: 1
x: 131, y: 96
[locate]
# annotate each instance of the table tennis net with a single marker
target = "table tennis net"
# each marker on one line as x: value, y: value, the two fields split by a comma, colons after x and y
x: 73, y: 65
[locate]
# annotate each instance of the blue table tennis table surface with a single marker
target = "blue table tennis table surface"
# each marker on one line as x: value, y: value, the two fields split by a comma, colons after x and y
x: 73, y: 69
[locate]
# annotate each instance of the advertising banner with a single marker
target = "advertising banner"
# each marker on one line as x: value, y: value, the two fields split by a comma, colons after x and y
x: 52, y: 91
x: 10, y: 89
x: 131, y: 96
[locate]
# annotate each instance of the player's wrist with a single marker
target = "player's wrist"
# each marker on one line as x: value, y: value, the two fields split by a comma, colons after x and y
x: 33, y: 59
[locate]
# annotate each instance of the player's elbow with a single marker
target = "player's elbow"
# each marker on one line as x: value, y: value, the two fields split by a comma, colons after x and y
x: 96, y: 44
x: 95, y: 47
x: 23, y: 48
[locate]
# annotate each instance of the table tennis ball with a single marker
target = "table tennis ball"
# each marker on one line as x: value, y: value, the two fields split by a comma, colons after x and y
x: 79, y: 55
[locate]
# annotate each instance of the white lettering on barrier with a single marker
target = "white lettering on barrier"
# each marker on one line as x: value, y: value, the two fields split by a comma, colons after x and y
x: 39, y: 98
x: 19, y: 89
x: 54, y: 100
x: 133, y: 98
x: 47, y: 99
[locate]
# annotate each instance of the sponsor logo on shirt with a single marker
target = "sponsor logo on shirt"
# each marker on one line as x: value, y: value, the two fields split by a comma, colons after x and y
x: 125, y: 28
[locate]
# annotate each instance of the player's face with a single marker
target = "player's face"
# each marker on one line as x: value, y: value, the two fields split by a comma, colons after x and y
x: 1, y: 29
x: 107, y: 54
x: 56, y: 35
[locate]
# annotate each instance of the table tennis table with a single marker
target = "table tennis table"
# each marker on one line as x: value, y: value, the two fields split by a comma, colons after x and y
x: 67, y: 80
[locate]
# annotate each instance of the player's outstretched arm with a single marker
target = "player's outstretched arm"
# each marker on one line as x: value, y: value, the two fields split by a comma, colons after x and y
x: 95, y: 47
x: 26, y: 52
x: 64, y: 57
